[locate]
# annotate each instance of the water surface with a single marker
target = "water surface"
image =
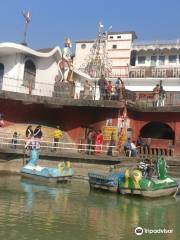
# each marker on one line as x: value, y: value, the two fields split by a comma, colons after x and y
x: 32, y: 211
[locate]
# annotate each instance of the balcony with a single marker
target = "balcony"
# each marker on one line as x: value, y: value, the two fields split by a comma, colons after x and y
x: 152, y: 45
x: 146, y: 99
x: 154, y: 72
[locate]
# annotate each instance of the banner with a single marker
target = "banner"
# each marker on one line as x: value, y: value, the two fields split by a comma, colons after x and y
x: 109, y: 131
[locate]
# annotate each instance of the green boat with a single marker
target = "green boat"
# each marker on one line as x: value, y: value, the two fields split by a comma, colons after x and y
x: 135, y: 183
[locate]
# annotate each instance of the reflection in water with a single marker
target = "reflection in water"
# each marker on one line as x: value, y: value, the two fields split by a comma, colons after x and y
x: 31, y: 188
x: 72, y: 211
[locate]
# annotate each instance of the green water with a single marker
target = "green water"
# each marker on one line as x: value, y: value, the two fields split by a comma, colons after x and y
x: 73, y: 212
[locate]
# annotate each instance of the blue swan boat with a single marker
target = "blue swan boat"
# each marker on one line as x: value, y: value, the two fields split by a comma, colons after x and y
x: 62, y: 173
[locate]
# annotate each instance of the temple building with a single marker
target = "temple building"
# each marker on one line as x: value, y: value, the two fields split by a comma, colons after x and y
x: 28, y: 71
x: 33, y: 84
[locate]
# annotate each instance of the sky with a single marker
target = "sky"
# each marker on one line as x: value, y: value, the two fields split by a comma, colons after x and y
x: 53, y: 20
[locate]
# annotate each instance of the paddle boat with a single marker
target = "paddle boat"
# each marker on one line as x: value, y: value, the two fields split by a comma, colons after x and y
x: 108, y: 181
x: 62, y: 173
x: 135, y: 182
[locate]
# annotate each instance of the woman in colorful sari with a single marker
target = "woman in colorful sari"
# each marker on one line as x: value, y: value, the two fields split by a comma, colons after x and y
x: 98, y: 142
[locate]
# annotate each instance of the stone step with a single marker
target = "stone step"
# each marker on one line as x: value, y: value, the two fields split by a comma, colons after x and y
x: 174, y: 174
x: 174, y: 169
x: 173, y: 163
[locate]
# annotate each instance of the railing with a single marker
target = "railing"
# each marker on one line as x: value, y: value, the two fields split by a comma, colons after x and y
x: 6, y: 142
x: 62, y: 90
x: 157, y: 43
x: 154, y: 72
x: 157, y: 151
x: 146, y: 99
x: 70, y: 147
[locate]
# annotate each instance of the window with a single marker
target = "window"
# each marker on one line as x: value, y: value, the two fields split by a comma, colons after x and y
x: 153, y: 60
x: 29, y: 75
x: 114, y: 46
x: 161, y: 60
x: 141, y: 59
x: 118, y: 36
x: 172, y: 58
x: 111, y: 37
x: 83, y: 46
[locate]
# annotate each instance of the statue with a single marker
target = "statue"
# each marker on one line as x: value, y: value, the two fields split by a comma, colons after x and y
x: 65, y: 64
x: 161, y: 168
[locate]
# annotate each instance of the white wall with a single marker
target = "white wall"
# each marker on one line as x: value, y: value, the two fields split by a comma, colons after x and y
x: 12, y: 72
x: 46, y: 70
x: 81, y: 54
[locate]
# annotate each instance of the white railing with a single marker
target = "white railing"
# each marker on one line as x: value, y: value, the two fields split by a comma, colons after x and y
x: 6, y: 142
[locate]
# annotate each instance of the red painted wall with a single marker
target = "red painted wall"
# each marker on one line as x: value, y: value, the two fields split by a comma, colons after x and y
x: 73, y: 120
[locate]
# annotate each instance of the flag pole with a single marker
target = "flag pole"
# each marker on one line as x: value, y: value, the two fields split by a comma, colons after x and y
x: 25, y: 33
x: 27, y: 18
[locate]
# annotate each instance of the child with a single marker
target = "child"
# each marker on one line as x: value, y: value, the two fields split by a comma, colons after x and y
x: 14, y: 140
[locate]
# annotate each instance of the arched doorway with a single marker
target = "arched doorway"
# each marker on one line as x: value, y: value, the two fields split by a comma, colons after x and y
x: 157, y: 130
x: 29, y: 75
x: 1, y: 74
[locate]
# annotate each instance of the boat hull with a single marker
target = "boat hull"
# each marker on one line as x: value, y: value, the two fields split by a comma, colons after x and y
x: 107, y: 182
x: 49, y: 179
x: 104, y: 187
x: 151, y: 193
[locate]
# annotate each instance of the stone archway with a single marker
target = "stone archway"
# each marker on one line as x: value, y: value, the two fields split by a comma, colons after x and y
x: 157, y: 130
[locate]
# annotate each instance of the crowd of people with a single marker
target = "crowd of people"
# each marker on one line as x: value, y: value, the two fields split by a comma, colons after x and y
x: 120, y: 144
x: 108, y: 91
x: 33, y: 137
x: 94, y: 141
x: 100, y: 90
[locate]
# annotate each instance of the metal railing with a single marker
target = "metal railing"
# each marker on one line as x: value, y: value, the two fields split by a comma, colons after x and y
x: 71, y: 147
x: 7, y: 142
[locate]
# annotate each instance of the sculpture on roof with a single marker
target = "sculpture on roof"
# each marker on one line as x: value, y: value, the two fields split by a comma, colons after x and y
x: 65, y: 64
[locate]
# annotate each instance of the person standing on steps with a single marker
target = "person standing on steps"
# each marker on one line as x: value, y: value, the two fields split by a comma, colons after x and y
x: 57, y: 135
x: 37, y: 136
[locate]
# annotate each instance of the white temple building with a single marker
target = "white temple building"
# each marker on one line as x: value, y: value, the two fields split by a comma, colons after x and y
x: 25, y: 70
